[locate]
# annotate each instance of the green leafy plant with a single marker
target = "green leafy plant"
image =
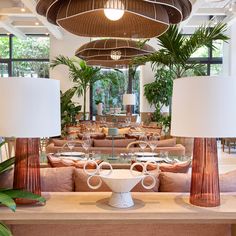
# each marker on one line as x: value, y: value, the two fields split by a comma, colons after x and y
x: 176, y: 49
x: 82, y: 75
x: 173, y: 61
x: 7, y: 196
x: 69, y: 109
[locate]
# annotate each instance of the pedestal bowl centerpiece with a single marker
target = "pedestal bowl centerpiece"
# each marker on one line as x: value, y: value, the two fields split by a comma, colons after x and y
x: 120, y: 181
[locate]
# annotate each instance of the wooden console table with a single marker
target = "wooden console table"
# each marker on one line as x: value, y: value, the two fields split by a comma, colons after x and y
x: 86, y: 211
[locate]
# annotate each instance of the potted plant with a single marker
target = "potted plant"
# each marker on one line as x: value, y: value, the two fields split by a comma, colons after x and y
x: 173, y: 61
x: 81, y: 74
x: 69, y: 109
x: 7, y: 196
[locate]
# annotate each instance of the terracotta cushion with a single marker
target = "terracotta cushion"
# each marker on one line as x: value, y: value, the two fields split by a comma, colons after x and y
x: 82, y: 186
x: 121, y: 131
x: 94, y: 136
x: 175, y: 168
x: 167, y: 142
x: 179, y: 182
x: 61, y: 142
x: 66, y: 162
x: 52, y: 179
x: 117, y: 142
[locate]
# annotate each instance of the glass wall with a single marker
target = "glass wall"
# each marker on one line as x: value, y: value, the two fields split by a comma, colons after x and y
x: 110, y: 90
x: 24, y: 57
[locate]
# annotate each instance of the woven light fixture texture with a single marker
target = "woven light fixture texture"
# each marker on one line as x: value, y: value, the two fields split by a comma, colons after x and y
x: 101, y: 52
x: 141, y: 19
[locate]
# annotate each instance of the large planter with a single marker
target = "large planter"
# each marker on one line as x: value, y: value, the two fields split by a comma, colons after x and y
x: 99, y: 109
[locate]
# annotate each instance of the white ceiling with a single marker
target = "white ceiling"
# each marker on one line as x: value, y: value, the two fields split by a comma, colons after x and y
x: 19, y: 17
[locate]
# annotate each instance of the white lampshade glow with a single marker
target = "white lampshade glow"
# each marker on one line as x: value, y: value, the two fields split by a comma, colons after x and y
x: 129, y: 99
x: 29, y: 107
x: 114, y: 10
x: 203, y: 107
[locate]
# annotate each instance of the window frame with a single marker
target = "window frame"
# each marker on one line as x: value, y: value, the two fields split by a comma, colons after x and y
x: 208, y: 61
x: 9, y: 61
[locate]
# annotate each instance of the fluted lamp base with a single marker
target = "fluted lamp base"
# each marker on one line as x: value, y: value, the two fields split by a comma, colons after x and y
x: 27, y: 168
x: 205, y: 191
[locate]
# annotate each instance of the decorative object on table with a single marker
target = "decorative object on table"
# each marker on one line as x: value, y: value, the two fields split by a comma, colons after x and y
x: 129, y: 100
x: 112, y: 52
x: 120, y: 181
x: 30, y: 108
x: 86, y: 142
x: 115, y: 18
x: 113, y: 132
x: 143, y: 143
x: 152, y: 142
x: 202, y: 109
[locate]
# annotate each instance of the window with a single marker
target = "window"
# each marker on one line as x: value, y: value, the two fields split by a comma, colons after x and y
x: 210, y: 58
x: 24, y: 57
x: 110, y: 91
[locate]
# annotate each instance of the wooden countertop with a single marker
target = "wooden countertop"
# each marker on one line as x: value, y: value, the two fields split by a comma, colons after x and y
x: 149, y: 208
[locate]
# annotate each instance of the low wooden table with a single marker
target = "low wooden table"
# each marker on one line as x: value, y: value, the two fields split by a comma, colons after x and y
x: 88, y: 209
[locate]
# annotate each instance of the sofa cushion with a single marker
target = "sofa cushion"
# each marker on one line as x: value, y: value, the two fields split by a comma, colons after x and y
x: 179, y: 182
x: 52, y: 179
x: 61, y: 142
x: 167, y: 142
x: 66, y: 162
x: 174, y: 182
x: 57, y: 179
x: 82, y: 186
x: 182, y: 167
x: 117, y: 142
x: 175, y: 168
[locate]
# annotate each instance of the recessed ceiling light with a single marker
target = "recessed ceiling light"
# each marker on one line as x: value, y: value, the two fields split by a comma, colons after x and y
x: 36, y: 23
x: 22, y: 9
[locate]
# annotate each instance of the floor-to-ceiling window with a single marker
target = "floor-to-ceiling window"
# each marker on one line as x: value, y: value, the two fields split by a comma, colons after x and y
x: 211, y: 58
x: 27, y: 57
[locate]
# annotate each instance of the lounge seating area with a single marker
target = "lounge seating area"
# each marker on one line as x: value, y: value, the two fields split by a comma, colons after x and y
x: 117, y: 118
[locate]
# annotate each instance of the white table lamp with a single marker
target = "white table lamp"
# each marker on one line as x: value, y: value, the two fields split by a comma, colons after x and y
x: 128, y: 101
x: 30, y: 109
x: 202, y: 107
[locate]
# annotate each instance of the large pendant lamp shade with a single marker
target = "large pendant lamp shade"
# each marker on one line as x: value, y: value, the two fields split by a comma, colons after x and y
x: 112, y: 52
x: 138, y: 18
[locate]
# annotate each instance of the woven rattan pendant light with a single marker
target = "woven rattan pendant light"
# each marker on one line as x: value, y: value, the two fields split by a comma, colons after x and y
x: 139, y: 19
x: 112, y: 52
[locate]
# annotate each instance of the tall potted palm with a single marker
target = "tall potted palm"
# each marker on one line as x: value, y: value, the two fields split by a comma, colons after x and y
x: 173, y: 59
x: 176, y: 49
x: 80, y: 73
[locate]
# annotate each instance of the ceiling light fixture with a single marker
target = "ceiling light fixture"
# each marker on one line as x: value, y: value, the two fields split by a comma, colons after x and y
x: 115, y: 18
x: 112, y: 53
x: 22, y: 9
x: 115, y: 55
x: 114, y: 10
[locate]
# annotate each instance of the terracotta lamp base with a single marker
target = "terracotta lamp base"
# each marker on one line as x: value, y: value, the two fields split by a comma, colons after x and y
x: 128, y: 110
x: 27, y: 168
x: 205, y: 191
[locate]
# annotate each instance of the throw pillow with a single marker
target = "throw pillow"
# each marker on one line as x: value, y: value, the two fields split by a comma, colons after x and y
x: 66, y: 162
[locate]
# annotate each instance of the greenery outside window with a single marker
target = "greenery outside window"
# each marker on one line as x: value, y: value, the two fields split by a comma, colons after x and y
x: 24, y: 57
